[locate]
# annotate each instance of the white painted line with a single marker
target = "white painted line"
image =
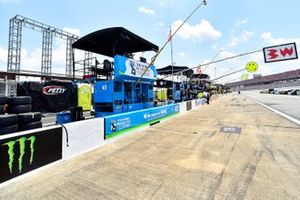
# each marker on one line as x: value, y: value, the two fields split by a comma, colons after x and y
x: 288, y: 117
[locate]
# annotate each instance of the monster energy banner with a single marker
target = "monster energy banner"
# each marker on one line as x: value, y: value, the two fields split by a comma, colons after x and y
x: 22, y: 154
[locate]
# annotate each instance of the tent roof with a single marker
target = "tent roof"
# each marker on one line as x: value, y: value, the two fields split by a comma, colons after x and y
x: 112, y: 41
x: 168, y: 70
x: 201, y: 76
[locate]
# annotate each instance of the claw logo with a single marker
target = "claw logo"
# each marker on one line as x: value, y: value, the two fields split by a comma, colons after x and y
x: 22, y: 144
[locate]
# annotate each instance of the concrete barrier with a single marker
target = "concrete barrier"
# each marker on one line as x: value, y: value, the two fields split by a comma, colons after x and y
x: 182, y: 107
x: 47, y: 145
x: 82, y: 136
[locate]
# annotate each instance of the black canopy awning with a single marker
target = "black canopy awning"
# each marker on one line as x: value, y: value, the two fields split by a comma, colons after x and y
x: 112, y: 41
x: 201, y: 76
x: 168, y: 70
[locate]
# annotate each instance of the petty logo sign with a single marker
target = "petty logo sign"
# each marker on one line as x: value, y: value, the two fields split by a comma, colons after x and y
x: 280, y: 52
x: 54, y: 90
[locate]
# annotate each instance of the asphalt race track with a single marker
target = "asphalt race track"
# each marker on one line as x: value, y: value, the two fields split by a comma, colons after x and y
x: 287, y: 104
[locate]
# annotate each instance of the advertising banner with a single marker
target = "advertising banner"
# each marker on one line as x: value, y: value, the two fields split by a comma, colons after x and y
x: 58, y: 96
x: 116, y: 123
x: 21, y: 154
x: 126, y: 68
x: 280, y: 52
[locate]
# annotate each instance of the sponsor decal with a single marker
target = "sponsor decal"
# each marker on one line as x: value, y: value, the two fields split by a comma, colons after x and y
x: 104, y: 87
x: 54, y: 90
x: 137, y: 68
x: 21, y: 154
x: 22, y: 142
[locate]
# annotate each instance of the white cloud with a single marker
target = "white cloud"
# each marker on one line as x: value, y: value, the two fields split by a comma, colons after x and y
x: 226, y: 54
x: 240, y: 22
x: 246, y: 35
x: 146, y: 10
x: 269, y: 39
x: 182, y: 54
x: 199, y: 32
x: 3, y: 54
x: 74, y: 31
x: 243, y: 37
x: 3, y: 59
x: 166, y: 3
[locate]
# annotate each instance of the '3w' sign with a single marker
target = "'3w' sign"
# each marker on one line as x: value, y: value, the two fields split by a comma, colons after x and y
x: 280, y: 52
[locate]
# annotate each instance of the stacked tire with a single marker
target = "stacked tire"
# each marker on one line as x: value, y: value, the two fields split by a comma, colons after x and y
x: 28, y: 121
x: 19, y: 117
x: 19, y: 104
x: 3, y: 104
x: 8, y: 123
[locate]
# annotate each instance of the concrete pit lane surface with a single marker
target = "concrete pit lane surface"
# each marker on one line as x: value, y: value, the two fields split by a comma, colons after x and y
x: 186, y: 157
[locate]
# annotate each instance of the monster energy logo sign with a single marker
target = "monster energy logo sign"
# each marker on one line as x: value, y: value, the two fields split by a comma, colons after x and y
x: 22, y: 144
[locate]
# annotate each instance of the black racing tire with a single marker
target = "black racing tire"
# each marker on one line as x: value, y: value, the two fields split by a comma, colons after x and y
x: 8, y: 120
x: 2, y: 109
x: 19, y: 109
x: 19, y: 100
x: 3, y: 100
x: 8, y: 129
x: 25, y: 118
x: 29, y: 126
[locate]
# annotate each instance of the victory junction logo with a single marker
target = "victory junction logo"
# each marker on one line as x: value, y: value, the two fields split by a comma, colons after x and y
x: 22, y: 144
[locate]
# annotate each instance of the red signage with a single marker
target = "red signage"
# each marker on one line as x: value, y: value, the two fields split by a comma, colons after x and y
x: 54, y: 90
x: 280, y: 52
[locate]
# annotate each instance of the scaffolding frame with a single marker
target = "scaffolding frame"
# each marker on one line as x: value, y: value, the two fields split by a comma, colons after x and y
x: 15, y: 43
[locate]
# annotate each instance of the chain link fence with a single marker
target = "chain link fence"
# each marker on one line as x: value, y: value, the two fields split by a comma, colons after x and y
x: 8, y: 88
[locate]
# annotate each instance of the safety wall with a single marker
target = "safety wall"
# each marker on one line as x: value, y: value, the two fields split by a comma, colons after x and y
x: 118, y: 124
x: 28, y: 150
x: 82, y: 136
x: 199, y: 102
x: 182, y: 107
x: 193, y: 104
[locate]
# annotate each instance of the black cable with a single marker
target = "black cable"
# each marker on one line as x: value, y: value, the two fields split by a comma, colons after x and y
x: 67, y: 134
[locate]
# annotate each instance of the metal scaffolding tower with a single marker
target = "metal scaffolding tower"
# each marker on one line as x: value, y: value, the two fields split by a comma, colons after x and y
x: 14, y: 45
x: 69, y: 56
x: 15, y: 41
x: 47, y: 52
x: 88, y: 62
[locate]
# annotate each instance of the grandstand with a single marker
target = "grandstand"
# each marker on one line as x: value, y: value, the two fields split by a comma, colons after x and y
x: 284, y: 79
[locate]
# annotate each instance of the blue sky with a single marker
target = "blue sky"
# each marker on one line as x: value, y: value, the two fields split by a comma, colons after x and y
x: 231, y: 26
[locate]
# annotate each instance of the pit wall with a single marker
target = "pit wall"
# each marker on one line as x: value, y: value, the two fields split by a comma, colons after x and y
x: 26, y: 151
